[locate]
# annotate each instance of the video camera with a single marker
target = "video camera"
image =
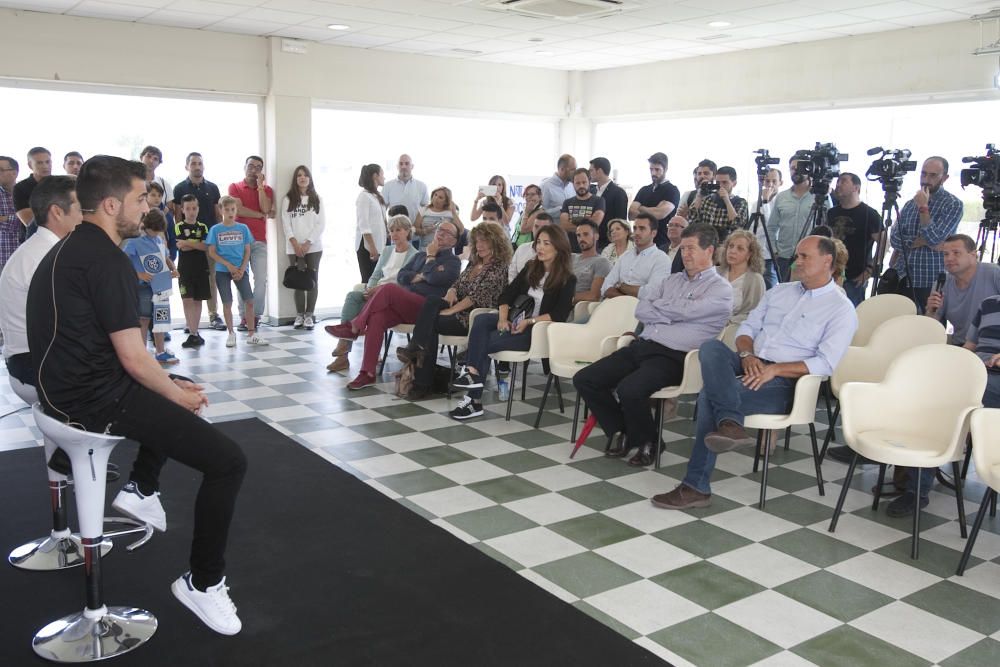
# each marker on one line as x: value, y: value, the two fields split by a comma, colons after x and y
x: 820, y: 164
x: 707, y: 188
x: 764, y: 162
x: 985, y: 173
x: 890, y: 168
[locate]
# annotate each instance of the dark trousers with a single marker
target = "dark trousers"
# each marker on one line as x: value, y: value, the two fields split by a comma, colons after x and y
x: 166, y: 430
x: 484, y: 340
x: 429, y: 325
x: 635, y: 373
x: 365, y: 263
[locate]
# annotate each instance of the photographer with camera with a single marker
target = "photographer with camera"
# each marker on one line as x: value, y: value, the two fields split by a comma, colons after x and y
x: 789, y: 214
x: 859, y: 227
x: 716, y: 205
x: 925, y: 222
x: 703, y: 173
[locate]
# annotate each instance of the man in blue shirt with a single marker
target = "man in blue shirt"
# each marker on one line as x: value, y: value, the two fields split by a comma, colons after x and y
x: 798, y: 328
x: 925, y: 222
x: 679, y: 312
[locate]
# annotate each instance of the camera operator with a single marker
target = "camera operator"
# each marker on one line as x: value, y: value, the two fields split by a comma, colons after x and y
x: 859, y: 227
x: 721, y: 209
x: 925, y: 221
x: 703, y: 173
x: 771, y: 186
x: 789, y: 212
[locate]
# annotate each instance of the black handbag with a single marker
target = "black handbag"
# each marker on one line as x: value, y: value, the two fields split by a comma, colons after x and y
x: 300, y: 276
x: 891, y: 283
x: 523, y: 306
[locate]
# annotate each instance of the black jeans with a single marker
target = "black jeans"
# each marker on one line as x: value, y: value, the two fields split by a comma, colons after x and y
x: 635, y: 373
x: 166, y: 430
x: 365, y: 263
x: 429, y: 325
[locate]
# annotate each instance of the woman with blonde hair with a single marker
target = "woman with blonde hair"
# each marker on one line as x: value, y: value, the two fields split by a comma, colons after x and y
x: 479, y: 286
x: 620, y: 235
x: 741, y: 260
x: 440, y: 209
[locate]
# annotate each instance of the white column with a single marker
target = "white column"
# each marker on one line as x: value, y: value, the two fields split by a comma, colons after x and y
x: 575, y: 130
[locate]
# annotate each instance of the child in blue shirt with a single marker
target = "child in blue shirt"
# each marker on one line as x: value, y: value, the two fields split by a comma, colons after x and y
x: 155, y: 272
x: 228, y: 246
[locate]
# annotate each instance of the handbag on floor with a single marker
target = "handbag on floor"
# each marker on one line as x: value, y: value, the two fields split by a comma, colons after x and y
x: 404, y: 379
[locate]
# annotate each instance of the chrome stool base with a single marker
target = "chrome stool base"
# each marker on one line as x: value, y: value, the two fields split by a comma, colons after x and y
x: 93, y: 635
x: 51, y: 553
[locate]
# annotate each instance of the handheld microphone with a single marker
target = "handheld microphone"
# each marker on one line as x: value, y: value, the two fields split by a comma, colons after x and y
x: 939, y: 285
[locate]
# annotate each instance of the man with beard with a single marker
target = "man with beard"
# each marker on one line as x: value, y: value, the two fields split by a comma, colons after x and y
x: 208, y: 195
x: 789, y: 212
x: 589, y: 268
x: 93, y: 372
x: 724, y: 210
x: 256, y: 206
x: 859, y: 226
x: 658, y: 199
x: 924, y: 223
x: 703, y: 173
x: 583, y: 206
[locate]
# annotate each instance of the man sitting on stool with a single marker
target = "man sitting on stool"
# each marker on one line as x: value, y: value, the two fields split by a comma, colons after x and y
x: 94, y: 373
x: 798, y: 328
x: 679, y: 312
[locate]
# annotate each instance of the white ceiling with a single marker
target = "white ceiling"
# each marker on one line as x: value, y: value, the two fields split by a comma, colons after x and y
x: 652, y: 30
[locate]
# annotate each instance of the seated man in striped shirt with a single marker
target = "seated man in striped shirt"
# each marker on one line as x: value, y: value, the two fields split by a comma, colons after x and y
x: 983, y: 338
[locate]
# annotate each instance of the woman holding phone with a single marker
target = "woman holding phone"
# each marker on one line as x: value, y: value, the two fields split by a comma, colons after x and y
x: 549, y: 282
x: 498, y: 193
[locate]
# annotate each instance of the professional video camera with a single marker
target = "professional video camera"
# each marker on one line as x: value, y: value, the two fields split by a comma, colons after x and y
x: 985, y: 173
x: 764, y: 162
x: 890, y: 168
x: 822, y: 165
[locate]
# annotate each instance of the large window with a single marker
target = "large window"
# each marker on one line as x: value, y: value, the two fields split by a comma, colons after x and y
x: 460, y: 153
x: 224, y: 132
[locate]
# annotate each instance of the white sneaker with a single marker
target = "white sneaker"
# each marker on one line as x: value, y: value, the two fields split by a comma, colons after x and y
x: 231, y: 340
x: 255, y: 339
x: 309, y: 322
x: 213, y: 607
x: 146, y: 509
x: 298, y: 321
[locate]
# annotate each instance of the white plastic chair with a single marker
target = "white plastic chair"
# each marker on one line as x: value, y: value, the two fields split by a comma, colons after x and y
x: 985, y: 426
x: 455, y: 343
x: 539, y: 350
x: 573, y: 346
x: 917, y: 416
x: 878, y: 309
x: 691, y: 383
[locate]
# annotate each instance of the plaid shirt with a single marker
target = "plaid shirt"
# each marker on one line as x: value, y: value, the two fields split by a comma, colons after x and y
x: 11, y: 230
x: 713, y: 212
x: 925, y: 263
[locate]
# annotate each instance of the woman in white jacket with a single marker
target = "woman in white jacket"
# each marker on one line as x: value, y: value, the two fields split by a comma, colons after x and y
x: 302, y: 218
x: 371, y: 232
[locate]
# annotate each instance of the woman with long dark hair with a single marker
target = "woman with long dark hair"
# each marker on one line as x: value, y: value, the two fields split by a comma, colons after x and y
x: 303, y: 220
x: 370, y: 234
x: 549, y: 282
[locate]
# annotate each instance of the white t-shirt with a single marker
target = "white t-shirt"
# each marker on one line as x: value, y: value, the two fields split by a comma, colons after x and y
x: 537, y: 293
x: 304, y: 224
x: 14, y: 283
x: 392, y: 266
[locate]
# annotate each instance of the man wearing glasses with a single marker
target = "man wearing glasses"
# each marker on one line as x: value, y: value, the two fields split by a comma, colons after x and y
x: 255, y: 207
x: 11, y: 229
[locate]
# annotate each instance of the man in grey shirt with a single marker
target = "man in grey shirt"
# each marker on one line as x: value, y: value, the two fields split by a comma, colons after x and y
x: 558, y: 187
x: 405, y: 190
x: 589, y: 268
x: 969, y: 282
x: 679, y: 312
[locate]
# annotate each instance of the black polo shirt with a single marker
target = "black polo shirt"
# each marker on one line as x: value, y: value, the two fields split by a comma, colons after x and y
x: 22, y: 192
x: 615, y: 206
x: 649, y: 196
x: 208, y: 196
x: 94, y: 284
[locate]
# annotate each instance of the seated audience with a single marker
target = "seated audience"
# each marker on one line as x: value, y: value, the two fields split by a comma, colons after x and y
x: 641, y: 266
x: 741, y: 262
x: 799, y: 328
x: 619, y: 240
x: 983, y: 338
x: 589, y: 268
x: 526, y: 251
x: 674, y: 229
x: 479, y: 286
x: 679, y: 312
x: 549, y: 284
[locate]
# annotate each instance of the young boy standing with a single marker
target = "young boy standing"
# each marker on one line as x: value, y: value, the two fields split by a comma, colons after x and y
x: 155, y: 272
x: 154, y: 197
x: 192, y: 266
x: 229, y: 247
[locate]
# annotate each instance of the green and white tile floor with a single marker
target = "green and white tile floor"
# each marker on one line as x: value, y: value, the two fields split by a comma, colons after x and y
x: 728, y: 585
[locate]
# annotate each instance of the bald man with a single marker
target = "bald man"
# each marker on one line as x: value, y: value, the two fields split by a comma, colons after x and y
x: 404, y: 190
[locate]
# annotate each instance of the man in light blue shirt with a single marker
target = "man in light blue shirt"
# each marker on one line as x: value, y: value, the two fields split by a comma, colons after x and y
x: 558, y: 187
x: 789, y: 212
x: 679, y: 312
x: 638, y: 268
x: 798, y: 328
x: 406, y: 190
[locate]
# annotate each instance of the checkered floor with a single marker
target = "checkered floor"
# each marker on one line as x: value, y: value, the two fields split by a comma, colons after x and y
x: 724, y: 586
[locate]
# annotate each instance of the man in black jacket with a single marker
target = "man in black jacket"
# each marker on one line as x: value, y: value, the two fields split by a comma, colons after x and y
x: 614, y: 196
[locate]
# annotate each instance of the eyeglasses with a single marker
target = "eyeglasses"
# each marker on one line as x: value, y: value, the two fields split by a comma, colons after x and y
x: 446, y: 232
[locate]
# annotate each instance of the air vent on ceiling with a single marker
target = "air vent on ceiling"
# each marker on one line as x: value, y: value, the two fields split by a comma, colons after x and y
x: 711, y: 38
x: 467, y: 52
x: 561, y: 9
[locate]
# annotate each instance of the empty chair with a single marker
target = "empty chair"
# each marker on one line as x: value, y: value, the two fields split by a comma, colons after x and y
x: 985, y: 427
x: 878, y: 309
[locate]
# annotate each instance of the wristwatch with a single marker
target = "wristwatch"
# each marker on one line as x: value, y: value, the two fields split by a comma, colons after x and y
x: 746, y: 353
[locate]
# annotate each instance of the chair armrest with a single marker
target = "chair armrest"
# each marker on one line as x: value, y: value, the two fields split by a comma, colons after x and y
x: 864, y: 406
x: 476, y: 312
x: 539, y: 340
x: 691, y: 382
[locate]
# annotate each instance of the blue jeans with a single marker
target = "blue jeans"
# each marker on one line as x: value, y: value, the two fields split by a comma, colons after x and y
x: 484, y: 339
x: 854, y: 293
x: 258, y: 267
x: 770, y: 274
x: 724, y: 397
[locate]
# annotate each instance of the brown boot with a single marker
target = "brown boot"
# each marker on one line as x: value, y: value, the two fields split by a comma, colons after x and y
x: 343, y: 347
x: 339, y: 365
x: 681, y: 498
x: 729, y: 436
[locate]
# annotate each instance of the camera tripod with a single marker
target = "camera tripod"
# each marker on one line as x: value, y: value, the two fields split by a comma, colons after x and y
x: 987, y: 228
x: 816, y: 217
x: 757, y: 218
x: 890, y: 208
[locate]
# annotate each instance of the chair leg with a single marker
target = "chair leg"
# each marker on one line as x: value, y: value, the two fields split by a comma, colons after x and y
x: 968, y: 456
x: 545, y: 395
x: 829, y: 432
x: 576, y: 417
x: 816, y: 459
x: 562, y: 408
x: 510, y: 394
x: 915, y: 544
x: 763, y: 473
x: 756, y: 451
x: 989, y: 496
x: 958, y: 497
x: 788, y: 438
x: 993, y: 507
x: 843, y: 493
x: 827, y: 395
x: 385, y: 351
x: 524, y: 378
x: 878, y: 486
x: 661, y: 408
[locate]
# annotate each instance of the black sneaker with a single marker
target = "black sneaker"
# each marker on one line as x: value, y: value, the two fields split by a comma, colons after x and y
x: 467, y: 380
x: 187, y: 331
x: 903, y: 506
x: 467, y: 409
x: 193, y: 340
x: 216, y: 323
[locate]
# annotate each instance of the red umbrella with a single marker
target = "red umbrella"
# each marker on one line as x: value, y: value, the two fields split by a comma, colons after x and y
x: 588, y: 426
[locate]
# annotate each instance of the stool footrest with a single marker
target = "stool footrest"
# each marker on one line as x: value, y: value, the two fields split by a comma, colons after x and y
x: 80, y: 638
x: 136, y: 527
x: 50, y: 553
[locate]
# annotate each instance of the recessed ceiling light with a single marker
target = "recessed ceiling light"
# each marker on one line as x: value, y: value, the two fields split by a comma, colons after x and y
x: 338, y: 26
x: 719, y: 24
x: 536, y: 39
x: 544, y: 53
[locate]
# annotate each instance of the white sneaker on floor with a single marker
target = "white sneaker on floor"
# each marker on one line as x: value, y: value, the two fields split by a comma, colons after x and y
x: 255, y: 339
x: 231, y: 340
x: 146, y: 509
x: 309, y: 322
x: 298, y: 321
x: 213, y: 607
